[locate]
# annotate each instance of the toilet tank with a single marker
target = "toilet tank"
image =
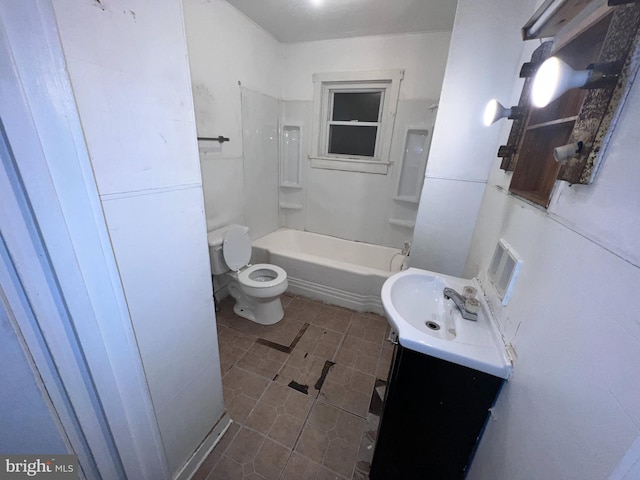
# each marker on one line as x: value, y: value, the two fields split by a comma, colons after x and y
x: 215, y: 239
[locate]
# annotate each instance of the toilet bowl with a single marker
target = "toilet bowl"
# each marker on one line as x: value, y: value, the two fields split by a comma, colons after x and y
x: 255, y: 288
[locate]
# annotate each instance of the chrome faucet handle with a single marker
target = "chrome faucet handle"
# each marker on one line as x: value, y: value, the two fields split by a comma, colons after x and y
x: 459, y: 301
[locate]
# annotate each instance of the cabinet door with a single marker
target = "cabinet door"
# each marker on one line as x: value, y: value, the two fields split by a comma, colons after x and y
x: 434, y: 414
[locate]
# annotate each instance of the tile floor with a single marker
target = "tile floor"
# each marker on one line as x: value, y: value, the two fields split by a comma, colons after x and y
x: 304, y: 394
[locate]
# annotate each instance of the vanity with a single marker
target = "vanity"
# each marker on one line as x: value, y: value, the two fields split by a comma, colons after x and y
x: 446, y: 374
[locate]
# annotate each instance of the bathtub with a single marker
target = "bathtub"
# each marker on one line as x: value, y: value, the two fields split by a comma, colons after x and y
x: 340, y: 272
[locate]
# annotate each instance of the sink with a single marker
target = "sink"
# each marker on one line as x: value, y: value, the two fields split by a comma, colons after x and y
x: 427, y: 322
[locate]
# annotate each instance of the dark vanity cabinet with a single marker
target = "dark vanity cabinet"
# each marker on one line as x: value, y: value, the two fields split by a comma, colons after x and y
x: 434, y: 414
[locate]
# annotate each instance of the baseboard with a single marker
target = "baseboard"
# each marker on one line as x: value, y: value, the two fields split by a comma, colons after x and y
x: 334, y: 296
x: 201, y: 453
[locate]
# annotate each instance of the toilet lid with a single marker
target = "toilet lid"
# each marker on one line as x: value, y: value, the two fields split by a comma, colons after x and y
x: 236, y: 248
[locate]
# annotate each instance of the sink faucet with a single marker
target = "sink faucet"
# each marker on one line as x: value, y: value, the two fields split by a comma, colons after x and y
x: 459, y: 300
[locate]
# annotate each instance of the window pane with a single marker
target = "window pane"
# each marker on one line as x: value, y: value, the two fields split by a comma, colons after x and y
x: 352, y: 140
x: 361, y: 106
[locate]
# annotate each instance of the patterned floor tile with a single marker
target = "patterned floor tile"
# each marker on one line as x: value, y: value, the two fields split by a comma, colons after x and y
x: 299, y: 393
x: 349, y: 389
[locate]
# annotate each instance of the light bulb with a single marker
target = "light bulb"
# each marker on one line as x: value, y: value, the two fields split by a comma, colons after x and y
x: 545, y: 83
x: 494, y: 111
x: 553, y: 78
x: 490, y: 112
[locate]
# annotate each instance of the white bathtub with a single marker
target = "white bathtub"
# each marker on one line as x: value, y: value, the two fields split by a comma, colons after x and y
x: 341, y: 272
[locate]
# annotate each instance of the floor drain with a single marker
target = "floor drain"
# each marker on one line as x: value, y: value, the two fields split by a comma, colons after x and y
x: 432, y: 325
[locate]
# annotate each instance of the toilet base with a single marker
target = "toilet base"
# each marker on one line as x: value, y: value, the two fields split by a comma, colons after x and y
x: 264, y: 313
x: 263, y: 310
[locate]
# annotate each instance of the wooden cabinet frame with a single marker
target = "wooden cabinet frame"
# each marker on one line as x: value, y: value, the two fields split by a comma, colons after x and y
x: 579, y: 115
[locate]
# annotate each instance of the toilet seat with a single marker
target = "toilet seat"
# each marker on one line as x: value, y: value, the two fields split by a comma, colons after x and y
x: 236, y: 250
x: 254, y: 275
x: 256, y: 289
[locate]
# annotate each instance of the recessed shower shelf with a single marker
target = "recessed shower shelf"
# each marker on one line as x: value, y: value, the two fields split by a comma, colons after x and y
x: 402, y: 223
x: 290, y: 154
x: 406, y: 200
x: 291, y: 206
x: 291, y: 186
x: 413, y: 164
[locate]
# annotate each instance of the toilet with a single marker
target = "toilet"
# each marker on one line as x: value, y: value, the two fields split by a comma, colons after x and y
x: 255, y: 288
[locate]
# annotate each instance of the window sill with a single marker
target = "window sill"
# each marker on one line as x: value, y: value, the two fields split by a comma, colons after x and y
x: 350, y: 165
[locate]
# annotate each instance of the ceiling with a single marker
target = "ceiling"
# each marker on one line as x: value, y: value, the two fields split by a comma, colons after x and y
x: 291, y: 21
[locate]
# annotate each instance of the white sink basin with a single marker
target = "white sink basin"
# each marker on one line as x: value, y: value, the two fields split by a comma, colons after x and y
x: 426, y: 322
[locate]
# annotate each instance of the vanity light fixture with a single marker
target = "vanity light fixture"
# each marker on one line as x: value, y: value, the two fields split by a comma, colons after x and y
x: 555, y: 77
x: 494, y: 111
x: 550, y: 9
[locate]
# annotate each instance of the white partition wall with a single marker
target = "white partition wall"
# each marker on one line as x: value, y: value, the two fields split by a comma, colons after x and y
x: 136, y: 110
x: 483, y: 63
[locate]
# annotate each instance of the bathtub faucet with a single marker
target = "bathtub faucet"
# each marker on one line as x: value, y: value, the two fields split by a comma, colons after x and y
x: 459, y: 300
x: 405, y: 253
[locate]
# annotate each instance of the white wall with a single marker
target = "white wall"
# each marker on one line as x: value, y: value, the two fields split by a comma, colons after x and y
x: 574, y: 398
x: 483, y: 61
x: 423, y: 56
x: 29, y: 425
x: 572, y: 406
x: 128, y: 67
x: 357, y: 206
x: 225, y: 50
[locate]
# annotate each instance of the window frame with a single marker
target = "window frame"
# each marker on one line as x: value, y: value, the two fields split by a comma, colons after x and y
x: 325, y: 86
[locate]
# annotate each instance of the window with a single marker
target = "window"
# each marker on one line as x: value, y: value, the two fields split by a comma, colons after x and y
x: 354, y: 122
x: 354, y: 115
